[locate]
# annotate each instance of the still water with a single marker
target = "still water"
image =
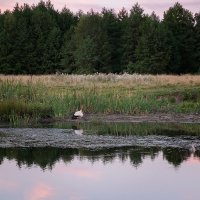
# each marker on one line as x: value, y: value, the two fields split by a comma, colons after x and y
x: 166, y: 169
x: 137, y: 173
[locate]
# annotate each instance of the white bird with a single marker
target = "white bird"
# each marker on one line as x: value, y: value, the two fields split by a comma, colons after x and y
x: 78, y: 114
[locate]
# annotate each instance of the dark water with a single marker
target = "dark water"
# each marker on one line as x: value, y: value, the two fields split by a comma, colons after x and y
x: 125, y: 161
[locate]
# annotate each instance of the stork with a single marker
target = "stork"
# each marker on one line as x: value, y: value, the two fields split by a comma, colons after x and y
x: 78, y: 114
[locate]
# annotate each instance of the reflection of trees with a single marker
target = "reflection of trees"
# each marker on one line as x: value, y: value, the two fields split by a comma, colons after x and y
x: 197, y: 154
x: 44, y: 157
x: 175, y: 156
x: 103, y: 155
x: 1, y: 160
x: 47, y: 157
x: 140, y: 153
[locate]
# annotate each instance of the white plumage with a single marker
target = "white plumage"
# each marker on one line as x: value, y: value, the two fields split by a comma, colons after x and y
x: 78, y: 114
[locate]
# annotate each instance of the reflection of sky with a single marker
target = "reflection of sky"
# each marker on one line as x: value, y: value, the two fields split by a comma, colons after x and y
x: 81, y: 180
x: 154, y: 5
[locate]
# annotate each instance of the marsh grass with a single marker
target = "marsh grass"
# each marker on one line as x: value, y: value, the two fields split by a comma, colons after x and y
x: 13, y: 110
x: 60, y: 95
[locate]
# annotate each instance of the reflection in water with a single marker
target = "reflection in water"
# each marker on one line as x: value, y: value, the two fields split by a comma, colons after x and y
x: 77, y: 130
x: 101, y: 172
x: 127, y: 129
x: 47, y: 157
x: 192, y: 148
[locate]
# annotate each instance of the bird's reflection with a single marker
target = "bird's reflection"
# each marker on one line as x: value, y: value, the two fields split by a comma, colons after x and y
x: 77, y: 130
x: 192, y: 149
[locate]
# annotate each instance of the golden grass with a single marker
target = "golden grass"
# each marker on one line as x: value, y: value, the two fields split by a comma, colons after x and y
x: 104, y: 81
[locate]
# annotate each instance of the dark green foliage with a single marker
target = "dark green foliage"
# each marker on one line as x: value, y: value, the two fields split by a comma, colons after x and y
x: 130, y: 35
x: 31, y: 38
x: 197, y: 41
x: 111, y: 28
x: 180, y: 22
x: 81, y: 51
x: 38, y: 39
x: 152, y: 53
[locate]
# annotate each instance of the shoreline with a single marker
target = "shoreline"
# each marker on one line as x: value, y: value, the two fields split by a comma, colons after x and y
x: 121, y: 118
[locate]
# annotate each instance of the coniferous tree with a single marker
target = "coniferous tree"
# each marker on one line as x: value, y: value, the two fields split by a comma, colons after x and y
x: 130, y: 35
x: 197, y: 41
x: 7, y: 44
x: 40, y: 39
x: 181, y: 24
x: 152, y: 52
x: 67, y: 52
x: 112, y: 30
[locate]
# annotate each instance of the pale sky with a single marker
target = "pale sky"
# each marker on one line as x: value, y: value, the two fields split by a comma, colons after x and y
x: 74, y: 5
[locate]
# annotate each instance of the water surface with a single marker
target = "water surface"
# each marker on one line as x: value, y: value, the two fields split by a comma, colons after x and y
x: 100, y: 161
x: 133, y: 173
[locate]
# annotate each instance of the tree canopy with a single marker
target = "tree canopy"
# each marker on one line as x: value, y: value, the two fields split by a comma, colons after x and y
x: 38, y: 39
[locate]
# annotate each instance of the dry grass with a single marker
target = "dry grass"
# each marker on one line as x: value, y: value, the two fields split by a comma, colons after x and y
x: 102, y: 80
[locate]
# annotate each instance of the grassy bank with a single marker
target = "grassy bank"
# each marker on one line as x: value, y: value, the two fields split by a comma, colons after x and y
x: 32, y: 97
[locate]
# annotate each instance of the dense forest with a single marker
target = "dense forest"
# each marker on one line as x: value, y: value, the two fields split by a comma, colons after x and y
x: 38, y: 39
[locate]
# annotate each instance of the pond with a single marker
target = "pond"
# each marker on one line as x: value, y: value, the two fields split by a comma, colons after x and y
x: 100, y: 161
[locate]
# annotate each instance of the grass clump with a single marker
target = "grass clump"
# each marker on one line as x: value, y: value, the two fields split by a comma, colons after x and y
x: 10, y: 110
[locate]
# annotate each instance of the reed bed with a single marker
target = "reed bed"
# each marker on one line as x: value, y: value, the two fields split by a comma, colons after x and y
x: 59, y: 95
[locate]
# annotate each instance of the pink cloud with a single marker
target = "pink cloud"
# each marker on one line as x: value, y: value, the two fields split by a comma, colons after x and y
x: 40, y: 191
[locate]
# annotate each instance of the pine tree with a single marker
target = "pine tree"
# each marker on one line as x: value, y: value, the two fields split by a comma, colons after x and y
x: 7, y: 42
x: 181, y: 24
x: 197, y: 41
x: 130, y: 35
x: 112, y: 31
x: 152, y: 52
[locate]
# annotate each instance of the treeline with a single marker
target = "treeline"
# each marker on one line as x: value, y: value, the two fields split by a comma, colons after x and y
x: 38, y: 39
